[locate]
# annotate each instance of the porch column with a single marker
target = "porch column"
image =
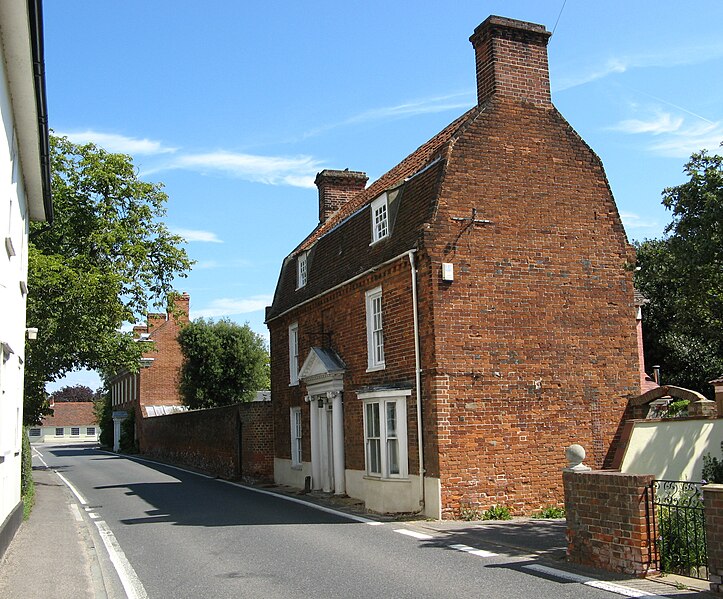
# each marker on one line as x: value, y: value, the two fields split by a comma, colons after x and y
x: 315, y: 453
x: 326, y: 484
x: 338, y: 443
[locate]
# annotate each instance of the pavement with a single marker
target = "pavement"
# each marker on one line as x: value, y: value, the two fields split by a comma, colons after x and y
x: 57, y: 554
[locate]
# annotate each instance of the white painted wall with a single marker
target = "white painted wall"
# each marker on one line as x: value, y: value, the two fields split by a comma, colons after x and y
x: 672, y: 449
x: 21, y: 195
x: 13, y: 269
x: 48, y: 434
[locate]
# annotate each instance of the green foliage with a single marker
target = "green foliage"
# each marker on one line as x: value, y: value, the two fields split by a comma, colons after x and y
x: 103, y: 412
x: 107, y: 257
x: 681, y: 523
x: 127, y: 442
x: 27, y: 484
x: 712, y: 469
x: 469, y: 513
x: 223, y: 363
x: 550, y: 513
x: 676, y: 408
x: 682, y: 276
x: 497, y: 512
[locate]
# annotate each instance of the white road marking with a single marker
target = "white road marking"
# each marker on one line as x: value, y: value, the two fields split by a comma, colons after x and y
x: 591, y: 582
x: 40, y: 457
x: 474, y: 551
x: 93, y: 515
x: 76, y: 512
x: 411, y: 533
x: 129, y: 579
x: 72, y: 488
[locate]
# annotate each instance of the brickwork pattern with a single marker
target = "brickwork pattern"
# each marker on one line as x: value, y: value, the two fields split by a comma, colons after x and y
x: 713, y: 500
x: 533, y: 345
x: 607, y: 521
x: 229, y: 442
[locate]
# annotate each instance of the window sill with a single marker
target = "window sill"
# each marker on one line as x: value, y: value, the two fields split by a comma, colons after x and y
x: 292, y: 384
x: 375, y: 368
x: 399, y: 479
x: 378, y: 240
x: 297, y: 467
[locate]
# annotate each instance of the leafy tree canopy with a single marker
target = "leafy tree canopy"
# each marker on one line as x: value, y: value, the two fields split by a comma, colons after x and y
x: 223, y: 363
x: 106, y: 258
x: 74, y: 393
x: 682, y: 277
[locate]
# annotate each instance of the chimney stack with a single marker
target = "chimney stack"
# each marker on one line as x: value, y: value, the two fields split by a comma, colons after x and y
x: 511, y: 60
x: 181, y: 304
x: 336, y: 188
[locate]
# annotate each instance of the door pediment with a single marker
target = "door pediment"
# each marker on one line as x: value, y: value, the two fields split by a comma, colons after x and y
x: 322, y: 366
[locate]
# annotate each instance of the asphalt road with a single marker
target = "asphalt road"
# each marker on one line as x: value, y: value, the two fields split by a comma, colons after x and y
x: 186, y: 535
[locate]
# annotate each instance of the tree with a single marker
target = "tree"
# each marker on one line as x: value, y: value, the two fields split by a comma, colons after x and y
x: 74, y: 393
x: 223, y: 363
x: 682, y: 276
x: 107, y: 257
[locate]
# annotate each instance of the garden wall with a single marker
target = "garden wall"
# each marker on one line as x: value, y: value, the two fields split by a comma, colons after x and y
x: 229, y: 442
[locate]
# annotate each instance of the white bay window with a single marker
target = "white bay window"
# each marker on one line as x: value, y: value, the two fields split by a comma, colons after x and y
x: 385, y: 433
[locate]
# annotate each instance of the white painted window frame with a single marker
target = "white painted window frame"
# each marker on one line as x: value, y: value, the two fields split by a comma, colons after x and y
x: 294, y: 354
x: 90, y: 431
x: 295, y: 428
x: 385, y: 399
x: 375, y: 330
x: 302, y: 270
x: 380, y: 218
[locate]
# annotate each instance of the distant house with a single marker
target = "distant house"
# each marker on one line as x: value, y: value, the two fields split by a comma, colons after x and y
x: 153, y: 390
x: 25, y: 196
x: 71, y: 422
x: 443, y: 334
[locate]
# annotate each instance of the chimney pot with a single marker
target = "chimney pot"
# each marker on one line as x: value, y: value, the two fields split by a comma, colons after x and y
x: 336, y: 188
x: 511, y: 60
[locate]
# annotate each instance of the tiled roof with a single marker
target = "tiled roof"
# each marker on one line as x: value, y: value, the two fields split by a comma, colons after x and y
x: 339, y: 249
x: 413, y: 163
x: 71, y: 413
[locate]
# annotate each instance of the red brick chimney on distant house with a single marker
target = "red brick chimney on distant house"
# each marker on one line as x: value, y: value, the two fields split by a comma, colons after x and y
x: 511, y: 58
x: 179, y: 312
x: 336, y: 188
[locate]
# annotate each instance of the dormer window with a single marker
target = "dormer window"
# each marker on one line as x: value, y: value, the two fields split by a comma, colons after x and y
x: 301, y: 271
x: 380, y: 218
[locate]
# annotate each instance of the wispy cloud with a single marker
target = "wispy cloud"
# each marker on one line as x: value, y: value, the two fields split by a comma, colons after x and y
x: 296, y: 171
x: 674, y: 136
x: 233, y: 306
x: 669, y: 57
x: 197, y: 235
x: 455, y: 101
x: 122, y: 144
x: 635, y: 221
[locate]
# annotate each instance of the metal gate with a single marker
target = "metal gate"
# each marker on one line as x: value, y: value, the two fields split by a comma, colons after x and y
x: 678, y: 528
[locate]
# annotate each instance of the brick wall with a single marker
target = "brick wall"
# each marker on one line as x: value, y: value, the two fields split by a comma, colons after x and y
x: 607, y: 525
x: 713, y: 499
x: 338, y: 321
x: 535, y: 338
x: 209, y: 440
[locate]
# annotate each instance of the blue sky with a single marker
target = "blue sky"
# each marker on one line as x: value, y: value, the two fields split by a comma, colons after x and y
x: 235, y: 106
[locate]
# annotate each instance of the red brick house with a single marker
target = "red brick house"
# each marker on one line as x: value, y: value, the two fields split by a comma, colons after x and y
x: 444, y: 333
x: 153, y: 390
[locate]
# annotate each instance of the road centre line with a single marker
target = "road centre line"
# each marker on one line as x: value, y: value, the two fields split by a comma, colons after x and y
x: 411, y: 533
x: 591, y: 582
x: 474, y: 551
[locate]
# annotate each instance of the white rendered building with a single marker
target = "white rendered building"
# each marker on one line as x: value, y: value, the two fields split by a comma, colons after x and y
x: 24, y: 196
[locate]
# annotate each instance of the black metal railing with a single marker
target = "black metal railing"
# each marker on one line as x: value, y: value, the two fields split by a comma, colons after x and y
x: 678, y: 528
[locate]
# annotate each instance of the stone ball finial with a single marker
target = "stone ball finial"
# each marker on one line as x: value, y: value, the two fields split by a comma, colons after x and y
x: 575, y: 455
